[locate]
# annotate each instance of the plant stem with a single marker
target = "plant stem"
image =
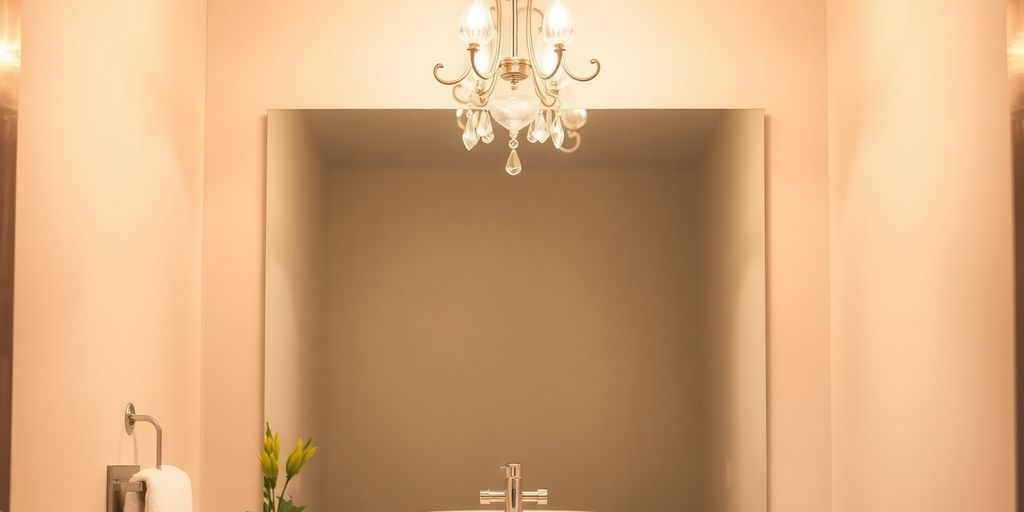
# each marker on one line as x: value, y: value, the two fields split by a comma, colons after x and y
x: 269, y: 486
x: 288, y: 479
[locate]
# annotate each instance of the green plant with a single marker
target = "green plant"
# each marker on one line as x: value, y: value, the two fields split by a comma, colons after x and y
x: 269, y: 457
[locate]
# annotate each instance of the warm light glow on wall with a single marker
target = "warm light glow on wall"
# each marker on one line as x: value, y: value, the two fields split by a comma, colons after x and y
x: 10, y: 55
x: 1015, y: 42
x: 10, y: 35
x: 1015, y: 54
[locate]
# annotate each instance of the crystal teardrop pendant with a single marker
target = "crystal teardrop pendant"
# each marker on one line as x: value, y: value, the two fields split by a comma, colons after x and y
x: 529, y: 135
x: 513, y: 166
x: 557, y: 132
x: 540, y: 129
x: 483, y: 124
x: 469, y: 136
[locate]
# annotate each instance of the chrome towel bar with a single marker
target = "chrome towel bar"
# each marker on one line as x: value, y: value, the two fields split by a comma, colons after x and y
x: 118, y: 477
x: 129, y: 426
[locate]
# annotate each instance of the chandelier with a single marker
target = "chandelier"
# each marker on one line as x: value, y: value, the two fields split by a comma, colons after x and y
x: 517, y: 92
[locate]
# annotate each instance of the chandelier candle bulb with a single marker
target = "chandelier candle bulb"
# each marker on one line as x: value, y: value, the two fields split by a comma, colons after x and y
x: 551, y: 64
x: 477, y: 27
x: 558, y: 25
x: 482, y: 61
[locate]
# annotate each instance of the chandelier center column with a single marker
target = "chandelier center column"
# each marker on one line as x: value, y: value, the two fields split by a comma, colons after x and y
x: 515, y: 28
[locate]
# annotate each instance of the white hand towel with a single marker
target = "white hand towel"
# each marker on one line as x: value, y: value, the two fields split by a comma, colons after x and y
x: 167, y: 490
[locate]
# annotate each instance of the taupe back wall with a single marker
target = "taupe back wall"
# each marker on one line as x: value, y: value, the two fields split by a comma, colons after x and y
x: 549, y: 319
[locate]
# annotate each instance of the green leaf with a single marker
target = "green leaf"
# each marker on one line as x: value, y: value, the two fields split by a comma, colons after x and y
x: 287, y: 506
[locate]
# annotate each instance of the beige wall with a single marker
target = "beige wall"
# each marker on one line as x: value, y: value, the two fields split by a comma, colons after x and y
x: 922, y: 281
x: 357, y: 54
x: 113, y: 124
x: 733, y: 317
x: 108, y: 251
x: 296, y: 323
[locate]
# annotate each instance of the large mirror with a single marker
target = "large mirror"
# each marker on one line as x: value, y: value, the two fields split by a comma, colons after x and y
x: 599, y: 318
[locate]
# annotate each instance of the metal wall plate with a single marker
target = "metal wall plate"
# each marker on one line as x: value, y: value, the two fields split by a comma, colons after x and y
x: 117, y: 475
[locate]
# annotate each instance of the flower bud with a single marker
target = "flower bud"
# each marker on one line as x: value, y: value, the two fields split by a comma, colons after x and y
x: 302, y: 453
x: 269, y: 466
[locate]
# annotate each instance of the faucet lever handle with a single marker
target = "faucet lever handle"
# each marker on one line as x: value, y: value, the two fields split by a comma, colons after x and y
x: 540, y: 496
x: 488, y: 497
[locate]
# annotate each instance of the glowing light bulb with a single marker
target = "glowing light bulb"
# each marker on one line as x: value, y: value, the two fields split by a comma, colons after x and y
x: 476, y: 26
x: 10, y: 55
x: 548, y: 60
x: 1015, y: 54
x: 482, y: 59
x: 558, y: 25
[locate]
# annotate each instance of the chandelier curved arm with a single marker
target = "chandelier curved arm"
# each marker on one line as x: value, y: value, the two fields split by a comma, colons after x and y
x: 473, y: 49
x: 571, y: 135
x: 486, y: 95
x: 546, y: 98
x: 455, y: 94
x: 559, y: 49
x: 439, y: 67
x: 595, y: 62
x: 535, y: 11
x: 496, y: 55
x: 483, y: 95
x: 540, y: 30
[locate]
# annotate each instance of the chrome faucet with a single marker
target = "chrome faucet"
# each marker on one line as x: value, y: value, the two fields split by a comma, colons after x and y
x: 514, y: 496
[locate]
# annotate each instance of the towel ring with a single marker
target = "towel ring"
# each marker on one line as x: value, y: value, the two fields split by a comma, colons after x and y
x: 119, y: 477
x: 129, y: 426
